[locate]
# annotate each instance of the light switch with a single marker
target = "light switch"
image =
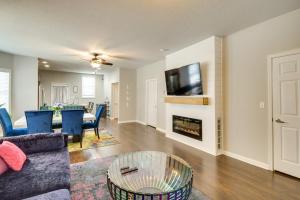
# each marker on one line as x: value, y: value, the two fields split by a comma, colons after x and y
x: 261, y: 105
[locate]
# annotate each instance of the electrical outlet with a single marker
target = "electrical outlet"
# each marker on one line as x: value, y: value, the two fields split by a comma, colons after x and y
x: 261, y: 105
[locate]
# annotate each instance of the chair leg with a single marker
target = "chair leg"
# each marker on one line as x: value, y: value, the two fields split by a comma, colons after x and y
x: 95, y: 131
x: 66, y: 140
x: 98, y: 133
x: 81, y: 140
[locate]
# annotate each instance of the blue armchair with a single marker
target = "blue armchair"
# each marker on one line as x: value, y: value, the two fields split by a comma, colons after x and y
x: 39, y: 121
x: 95, y: 124
x: 7, y: 126
x: 72, y: 121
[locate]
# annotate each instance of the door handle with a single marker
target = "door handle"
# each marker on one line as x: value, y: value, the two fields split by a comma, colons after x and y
x: 280, y: 121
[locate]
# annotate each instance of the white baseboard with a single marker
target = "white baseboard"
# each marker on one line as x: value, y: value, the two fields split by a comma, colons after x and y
x: 127, y: 121
x: 143, y: 123
x: 247, y: 160
x: 140, y: 122
x: 161, y: 130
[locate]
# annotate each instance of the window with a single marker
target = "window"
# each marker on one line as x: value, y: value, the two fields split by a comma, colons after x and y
x: 88, y: 87
x: 5, y: 89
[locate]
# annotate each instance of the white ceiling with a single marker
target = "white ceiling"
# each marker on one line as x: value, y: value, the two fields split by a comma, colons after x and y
x: 134, y: 29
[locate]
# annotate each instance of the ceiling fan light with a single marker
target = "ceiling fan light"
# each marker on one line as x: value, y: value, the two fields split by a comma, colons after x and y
x: 95, y: 64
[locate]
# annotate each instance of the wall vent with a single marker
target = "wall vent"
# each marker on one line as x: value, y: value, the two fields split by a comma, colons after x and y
x: 219, y: 130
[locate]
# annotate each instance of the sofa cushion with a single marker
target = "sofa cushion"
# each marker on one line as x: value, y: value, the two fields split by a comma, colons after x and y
x: 62, y: 194
x: 42, y: 172
x: 35, y: 143
x: 13, y: 156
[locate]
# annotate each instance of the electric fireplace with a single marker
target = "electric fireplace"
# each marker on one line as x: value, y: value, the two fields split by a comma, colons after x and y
x: 188, y: 126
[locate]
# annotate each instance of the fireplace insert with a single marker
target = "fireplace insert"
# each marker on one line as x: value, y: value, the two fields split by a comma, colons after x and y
x: 188, y: 126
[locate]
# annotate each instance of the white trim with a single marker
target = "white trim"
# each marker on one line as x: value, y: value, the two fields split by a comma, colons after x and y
x: 127, y: 121
x: 270, y: 104
x: 140, y: 122
x: 285, y: 53
x: 161, y: 130
x: 247, y: 160
x: 270, y: 115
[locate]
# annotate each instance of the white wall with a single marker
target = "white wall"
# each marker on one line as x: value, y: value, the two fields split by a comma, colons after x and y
x: 127, y: 95
x: 25, y: 85
x: 206, y: 52
x: 246, y: 82
x: 24, y: 75
x: 109, y: 78
x: 47, y: 77
x: 6, y: 60
x: 153, y: 71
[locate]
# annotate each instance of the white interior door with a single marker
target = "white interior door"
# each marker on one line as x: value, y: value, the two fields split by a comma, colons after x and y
x: 115, y: 100
x: 59, y: 93
x: 286, y: 114
x: 151, y: 102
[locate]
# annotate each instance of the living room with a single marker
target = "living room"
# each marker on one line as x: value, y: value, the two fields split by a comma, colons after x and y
x: 175, y: 100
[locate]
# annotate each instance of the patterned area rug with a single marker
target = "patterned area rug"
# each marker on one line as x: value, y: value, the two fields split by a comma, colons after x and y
x: 90, y: 140
x: 88, y: 181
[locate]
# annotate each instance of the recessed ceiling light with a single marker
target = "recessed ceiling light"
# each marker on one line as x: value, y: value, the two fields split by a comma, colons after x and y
x: 44, y: 62
x: 164, y: 50
x: 47, y: 66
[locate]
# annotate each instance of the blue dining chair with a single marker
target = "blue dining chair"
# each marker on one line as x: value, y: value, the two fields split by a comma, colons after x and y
x: 7, y: 126
x: 95, y: 124
x: 73, y: 107
x: 39, y: 121
x: 72, y: 121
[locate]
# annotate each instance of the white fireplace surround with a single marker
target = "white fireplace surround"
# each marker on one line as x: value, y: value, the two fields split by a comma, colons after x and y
x: 209, y: 53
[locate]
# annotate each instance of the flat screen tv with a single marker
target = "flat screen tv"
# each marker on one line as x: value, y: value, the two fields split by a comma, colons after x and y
x: 184, y: 81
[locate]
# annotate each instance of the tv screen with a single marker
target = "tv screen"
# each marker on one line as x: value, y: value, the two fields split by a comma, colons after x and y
x: 184, y: 81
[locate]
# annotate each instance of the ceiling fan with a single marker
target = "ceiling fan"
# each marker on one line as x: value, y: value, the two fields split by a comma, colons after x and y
x: 98, y: 60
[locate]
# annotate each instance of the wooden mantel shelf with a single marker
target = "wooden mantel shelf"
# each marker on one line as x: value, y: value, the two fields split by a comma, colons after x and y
x: 187, y: 100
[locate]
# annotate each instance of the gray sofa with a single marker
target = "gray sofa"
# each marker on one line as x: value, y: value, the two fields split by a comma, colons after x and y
x: 46, y: 172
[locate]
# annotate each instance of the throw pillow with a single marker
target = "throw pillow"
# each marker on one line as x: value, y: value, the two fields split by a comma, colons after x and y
x: 12, y: 155
x: 3, y: 166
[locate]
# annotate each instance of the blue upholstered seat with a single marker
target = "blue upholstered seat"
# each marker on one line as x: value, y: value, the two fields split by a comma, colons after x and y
x: 95, y: 124
x: 7, y: 126
x: 72, y: 121
x: 39, y: 121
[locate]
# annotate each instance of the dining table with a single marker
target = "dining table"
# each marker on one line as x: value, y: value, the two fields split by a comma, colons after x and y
x: 57, y: 119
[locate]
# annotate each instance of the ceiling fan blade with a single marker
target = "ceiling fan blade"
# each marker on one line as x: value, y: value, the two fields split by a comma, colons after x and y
x: 84, y: 59
x: 106, y: 63
x: 122, y: 57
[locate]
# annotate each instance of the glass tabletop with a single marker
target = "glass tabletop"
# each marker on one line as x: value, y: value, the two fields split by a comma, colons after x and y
x: 150, y: 172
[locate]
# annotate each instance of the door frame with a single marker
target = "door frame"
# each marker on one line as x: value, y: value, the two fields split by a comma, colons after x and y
x: 270, y: 104
x: 146, y: 100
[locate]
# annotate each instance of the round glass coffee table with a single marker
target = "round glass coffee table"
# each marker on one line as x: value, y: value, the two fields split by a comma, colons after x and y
x: 149, y: 175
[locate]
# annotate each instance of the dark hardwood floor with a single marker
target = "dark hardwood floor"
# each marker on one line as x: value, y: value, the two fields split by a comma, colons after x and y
x: 219, y: 177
